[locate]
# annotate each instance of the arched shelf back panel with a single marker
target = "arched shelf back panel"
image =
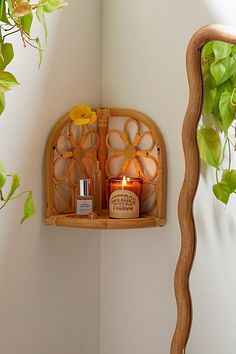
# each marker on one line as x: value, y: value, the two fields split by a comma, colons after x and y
x: 126, y: 142
x: 190, y: 183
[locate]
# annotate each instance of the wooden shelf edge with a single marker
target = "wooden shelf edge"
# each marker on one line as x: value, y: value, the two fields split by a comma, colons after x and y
x: 104, y: 222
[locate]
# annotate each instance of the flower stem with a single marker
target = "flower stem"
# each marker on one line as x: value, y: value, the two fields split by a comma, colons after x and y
x: 19, y: 195
x: 230, y: 159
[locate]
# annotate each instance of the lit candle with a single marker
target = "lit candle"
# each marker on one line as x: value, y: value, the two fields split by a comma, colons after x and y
x: 125, y: 197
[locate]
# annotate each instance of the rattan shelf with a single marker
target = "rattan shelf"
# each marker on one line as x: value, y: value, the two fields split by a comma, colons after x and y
x: 103, y: 222
x: 126, y: 142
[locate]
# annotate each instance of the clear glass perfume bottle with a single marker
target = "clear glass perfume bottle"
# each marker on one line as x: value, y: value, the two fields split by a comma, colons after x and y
x: 84, y: 204
x: 96, y: 188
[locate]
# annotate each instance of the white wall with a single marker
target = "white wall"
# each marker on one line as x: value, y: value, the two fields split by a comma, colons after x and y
x: 144, y: 44
x: 49, y: 277
x: 139, y: 71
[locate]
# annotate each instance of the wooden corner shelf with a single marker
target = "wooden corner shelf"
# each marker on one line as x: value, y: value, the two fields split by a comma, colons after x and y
x: 126, y: 142
x: 103, y: 222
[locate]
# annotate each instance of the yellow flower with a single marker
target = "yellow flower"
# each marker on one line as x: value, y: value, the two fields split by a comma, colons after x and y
x: 82, y: 114
x: 23, y: 8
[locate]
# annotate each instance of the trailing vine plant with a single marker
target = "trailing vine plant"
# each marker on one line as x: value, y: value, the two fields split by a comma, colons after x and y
x: 218, y: 115
x: 16, y: 18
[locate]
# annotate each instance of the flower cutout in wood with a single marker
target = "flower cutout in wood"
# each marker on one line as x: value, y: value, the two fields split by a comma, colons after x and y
x: 132, y: 152
x: 75, y: 145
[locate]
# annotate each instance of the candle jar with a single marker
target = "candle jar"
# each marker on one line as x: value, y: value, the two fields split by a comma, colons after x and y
x: 125, y: 197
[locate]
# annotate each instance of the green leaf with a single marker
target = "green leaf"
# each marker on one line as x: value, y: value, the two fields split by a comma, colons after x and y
x: 218, y: 69
x: 209, y: 81
x: 207, y: 59
x: 221, y: 49
x: 2, y: 8
x: 1, y: 43
x: 7, y: 81
x: 52, y: 5
x: 10, y: 5
x: 207, y: 49
x: 221, y: 70
x: 221, y: 192
x: 2, y: 102
x: 26, y: 22
x: 209, y: 144
x: 41, y: 17
x: 3, y: 175
x: 15, y: 183
x: 229, y: 176
x: 208, y: 100
x: 3, y: 16
x: 226, y: 186
x: 226, y: 110
x: 29, y: 208
x: 7, y: 55
x: 40, y: 51
x: 227, y: 86
x: 234, y: 52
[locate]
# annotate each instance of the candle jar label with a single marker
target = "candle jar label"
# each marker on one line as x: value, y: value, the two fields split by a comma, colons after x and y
x: 123, y: 204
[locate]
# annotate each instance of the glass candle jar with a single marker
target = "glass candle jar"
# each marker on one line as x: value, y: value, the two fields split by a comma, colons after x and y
x: 125, y: 197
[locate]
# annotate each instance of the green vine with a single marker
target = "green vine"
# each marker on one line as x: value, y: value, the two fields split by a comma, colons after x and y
x: 16, y: 18
x: 218, y: 115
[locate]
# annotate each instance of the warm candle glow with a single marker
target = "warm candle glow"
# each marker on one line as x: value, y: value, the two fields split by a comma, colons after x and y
x: 125, y: 197
x: 124, y: 181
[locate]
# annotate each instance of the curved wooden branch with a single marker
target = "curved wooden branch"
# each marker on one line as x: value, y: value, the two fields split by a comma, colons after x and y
x: 187, y: 194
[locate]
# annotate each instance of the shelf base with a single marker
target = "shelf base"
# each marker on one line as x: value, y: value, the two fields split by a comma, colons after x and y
x: 103, y: 222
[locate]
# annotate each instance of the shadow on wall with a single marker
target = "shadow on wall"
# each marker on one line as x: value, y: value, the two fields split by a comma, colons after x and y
x: 50, y: 276
x: 144, y: 68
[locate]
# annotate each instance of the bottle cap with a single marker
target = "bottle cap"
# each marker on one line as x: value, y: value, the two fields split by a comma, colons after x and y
x: 84, y: 187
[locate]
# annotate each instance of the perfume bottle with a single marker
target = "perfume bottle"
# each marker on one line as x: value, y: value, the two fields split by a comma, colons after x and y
x: 84, y: 200
x: 96, y: 188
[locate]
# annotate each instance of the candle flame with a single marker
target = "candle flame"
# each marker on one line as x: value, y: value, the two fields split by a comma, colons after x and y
x: 124, y: 181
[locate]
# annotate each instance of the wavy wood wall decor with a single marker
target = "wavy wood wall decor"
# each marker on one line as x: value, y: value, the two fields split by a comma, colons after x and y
x: 190, y: 183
